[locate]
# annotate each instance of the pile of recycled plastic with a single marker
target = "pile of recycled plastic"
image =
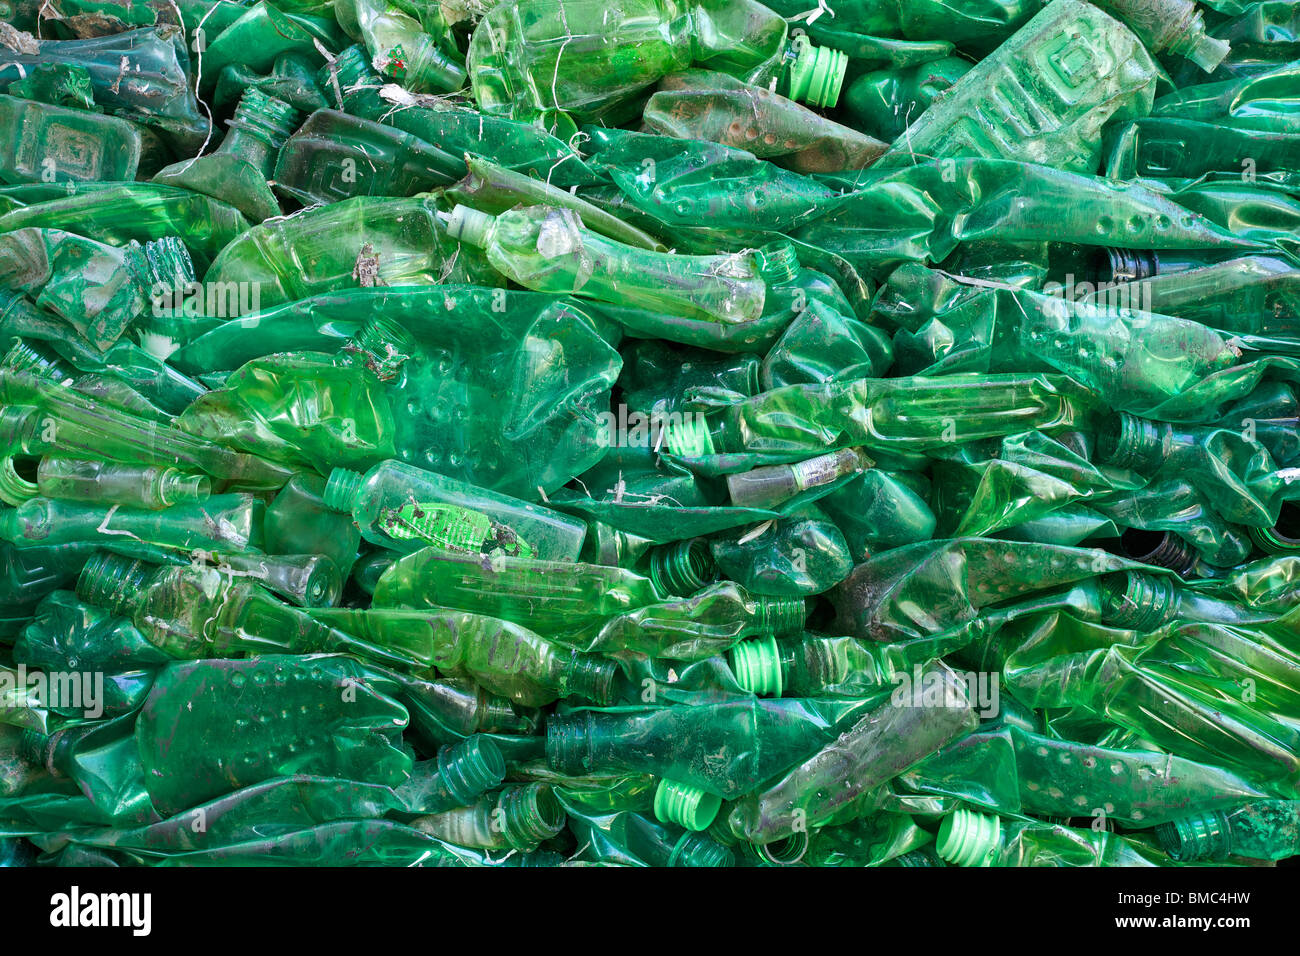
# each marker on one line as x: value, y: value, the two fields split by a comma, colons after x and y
x: 650, y: 432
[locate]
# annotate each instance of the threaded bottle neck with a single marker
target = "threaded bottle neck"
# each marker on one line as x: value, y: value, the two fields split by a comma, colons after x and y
x: 25, y: 357
x: 917, y: 858
x: 342, y: 490
x: 685, y: 805
x: 498, y: 715
x: 967, y: 838
x: 778, y: 262
x: 351, y: 68
x: 1204, y: 836
x: 530, y: 814
x: 1164, y: 549
x: 175, y: 487
x: 591, y: 677
x: 697, y: 850
x: 1126, y: 441
x: 170, y: 265
x: 36, y: 748
x: 262, y: 119
x: 14, y: 488
x: 758, y: 666
x: 470, y: 767
x: 779, y: 616
x: 114, y: 582
x: 568, y: 738
x: 387, y: 344
x: 1130, y: 265
x: 786, y: 852
x: 682, y: 568
x: 688, y: 437
x: 1284, y: 536
x: 1137, y: 601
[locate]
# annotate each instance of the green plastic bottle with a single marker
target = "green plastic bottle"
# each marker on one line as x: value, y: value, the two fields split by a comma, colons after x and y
x: 99, y: 289
x: 399, y: 48
x: 1043, y: 96
x: 355, y: 243
x: 535, y: 57
x: 307, y: 580
x: 160, y: 94
x: 405, y: 508
x: 595, y: 607
x: 884, y: 743
x: 1259, y: 830
x: 224, y: 522
x: 108, y: 389
x: 505, y: 658
x: 550, y: 250
x: 968, y: 838
x: 517, y: 817
x: 298, y: 521
x: 195, y: 611
x: 884, y: 103
x: 772, y: 485
x: 27, y: 575
x: 53, y: 144
x: 238, y: 172
x: 148, y: 487
x: 705, y: 104
x: 334, y: 156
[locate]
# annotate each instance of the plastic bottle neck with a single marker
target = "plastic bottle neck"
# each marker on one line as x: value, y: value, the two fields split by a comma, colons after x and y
x: 779, y: 616
x: 258, y: 129
x: 114, y: 582
x: 1205, y: 836
x: 1164, y: 549
x: 343, y: 490
x: 967, y: 838
x: 169, y: 262
x: 530, y: 814
x: 568, y: 743
x: 685, y: 805
x: 778, y: 262
x: 470, y: 226
x: 1129, y: 265
x: 814, y: 75
x: 1284, y: 536
x: 682, y: 568
x: 1137, y: 601
x: 1207, y: 52
x: 469, y: 768
x: 697, y: 850
x: 25, y: 357
x: 1126, y: 441
x: 591, y: 677
x: 352, y: 69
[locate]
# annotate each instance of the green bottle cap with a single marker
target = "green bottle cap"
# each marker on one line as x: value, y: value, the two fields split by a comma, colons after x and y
x: 14, y: 488
x: 685, y: 805
x: 469, y: 225
x: 817, y: 73
x: 342, y: 490
x: 1203, y: 836
x: 757, y: 666
x: 967, y: 838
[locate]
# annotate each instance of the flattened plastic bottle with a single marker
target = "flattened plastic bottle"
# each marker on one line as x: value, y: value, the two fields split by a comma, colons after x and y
x: 160, y: 94
x: 1258, y: 830
x: 705, y: 104
x: 405, y: 508
x: 505, y: 658
x: 355, y: 243
x: 399, y: 46
x: 884, y: 743
x: 237, y: 173
x: 535, y: 57
x: 967, y: 838
x: 50, y: 143
x: 883, y: 103
x: 1043, y: 95
x: 334, y: 156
